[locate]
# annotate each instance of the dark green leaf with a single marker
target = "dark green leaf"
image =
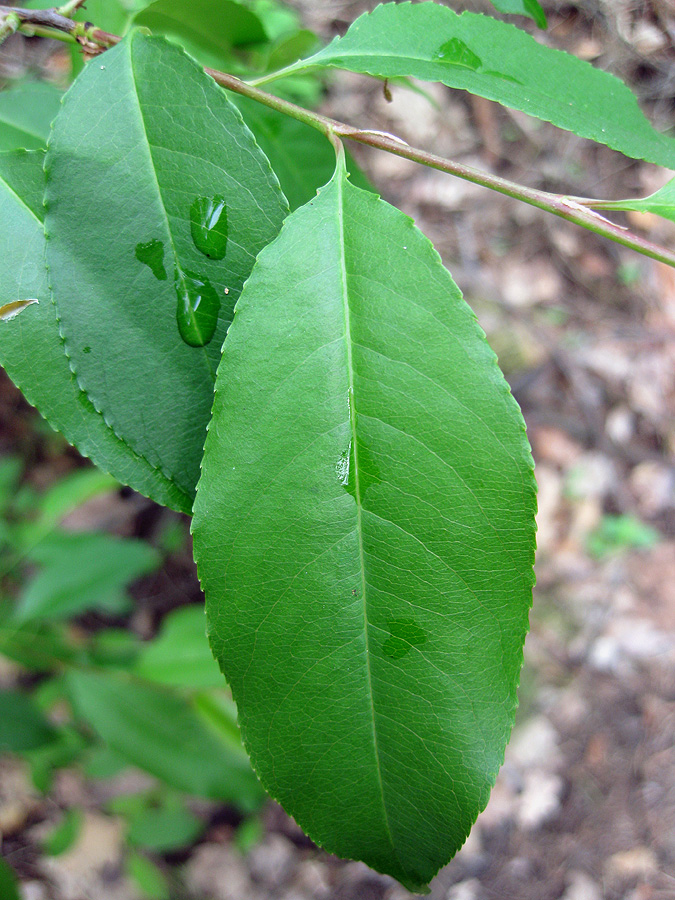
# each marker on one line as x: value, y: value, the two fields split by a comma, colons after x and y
x: 301, y: 156
x: 529, y: 8
x: 144, y: 136
x: 499, y: 61
x: 34, y: 336
x: 207, y: 29
x: 180, y: 654
x: 22, y: 725
x: 157, y: 730
x: 26, y: 112
x: 364, y: 530
x: 81, y: 572
x: 9, y: 886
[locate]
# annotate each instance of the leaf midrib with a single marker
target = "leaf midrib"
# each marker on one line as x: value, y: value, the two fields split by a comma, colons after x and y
x: 204, y: 355
x: 341, y: 179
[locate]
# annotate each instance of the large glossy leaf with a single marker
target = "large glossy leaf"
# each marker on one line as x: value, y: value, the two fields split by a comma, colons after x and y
x: 31, y: 349
x: 364, y: 531
x: 157, y: 730
x: 164, y: 166
x: 26, y: 112
x: 499, y: 61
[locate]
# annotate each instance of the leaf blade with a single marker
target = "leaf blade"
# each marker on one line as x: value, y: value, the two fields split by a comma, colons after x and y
x: 51, y: 386
x: 126, y: 296
x: 332, y: 629
x: 498, y: 61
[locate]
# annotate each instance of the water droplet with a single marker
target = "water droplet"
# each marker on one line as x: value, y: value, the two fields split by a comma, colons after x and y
x: 208, y: 225
x: 457, y: 53
x: 151, y: 254
x: 404, y: 635
x: 11, y: 310
x: 198, y: 307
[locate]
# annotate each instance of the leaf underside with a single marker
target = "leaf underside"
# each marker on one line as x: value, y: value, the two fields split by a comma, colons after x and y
x: 145, y: 137
x: 496, y: 60
x: 364, y: 532
x: 31, y: 349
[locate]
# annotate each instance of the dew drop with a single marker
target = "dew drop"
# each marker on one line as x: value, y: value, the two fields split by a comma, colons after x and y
x: 457, y: 53
x: 151, y: 254
x: 343, y: 465
x: 404, y: 635
x: 208, y: 225
x: 197, y: 310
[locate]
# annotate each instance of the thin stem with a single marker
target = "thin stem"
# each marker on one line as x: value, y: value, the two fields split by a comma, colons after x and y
x: 69, y: 9
x: 580, y: 210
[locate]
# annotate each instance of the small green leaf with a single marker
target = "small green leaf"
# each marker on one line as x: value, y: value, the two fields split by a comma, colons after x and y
x: 149, y: 878
x: 529, y: 8
x: 144, y: 134
x: 31, y: 350
x: 496, y: 60
x: 22, y: 725
x: 62, y: 837
x: 370, y: 606
x: 162, y: 826
x: 26, y: 112
x: 180, y: 655
x: 661, y: 203
x: 157, y: 730
x: 81, y: 572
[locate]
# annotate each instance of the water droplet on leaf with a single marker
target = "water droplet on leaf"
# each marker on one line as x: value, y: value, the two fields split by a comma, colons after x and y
x: 151, y: 254
x: 457, y: 53
x: 404, y: 635
x: 208, y: 225
x: 198, y: 307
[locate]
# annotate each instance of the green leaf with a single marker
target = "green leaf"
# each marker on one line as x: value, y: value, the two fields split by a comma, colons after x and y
x: 31, y: 349
x: 157, y: 730
x: 81, y: 572
x: 529, y: 8
x: 661, y: 203
x: 499, y: 61
x: 301, y: 157
x: 9, y: 886
x: 160, y: 826
x: 180, y: 656
x: 26, y: 112
x: 62, y: 837
x: 207, y: 29
x: 150, y: 140
x: 364, y: 531
x: 149, y: 878
x: 37, y: 647
x: 22, y: 725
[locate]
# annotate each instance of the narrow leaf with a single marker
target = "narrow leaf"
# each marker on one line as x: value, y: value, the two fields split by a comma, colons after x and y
x: 364, y: 531
x: 22, y: 726
x: 529, y: 8
x: 499, y: 61
x: 661, y: 203
x: 26, y: 112
x: 156, y: 730
x: 151, y: 144
x: 31, y: 349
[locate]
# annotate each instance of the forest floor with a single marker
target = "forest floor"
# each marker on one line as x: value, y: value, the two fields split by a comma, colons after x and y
x: 584, y: 806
